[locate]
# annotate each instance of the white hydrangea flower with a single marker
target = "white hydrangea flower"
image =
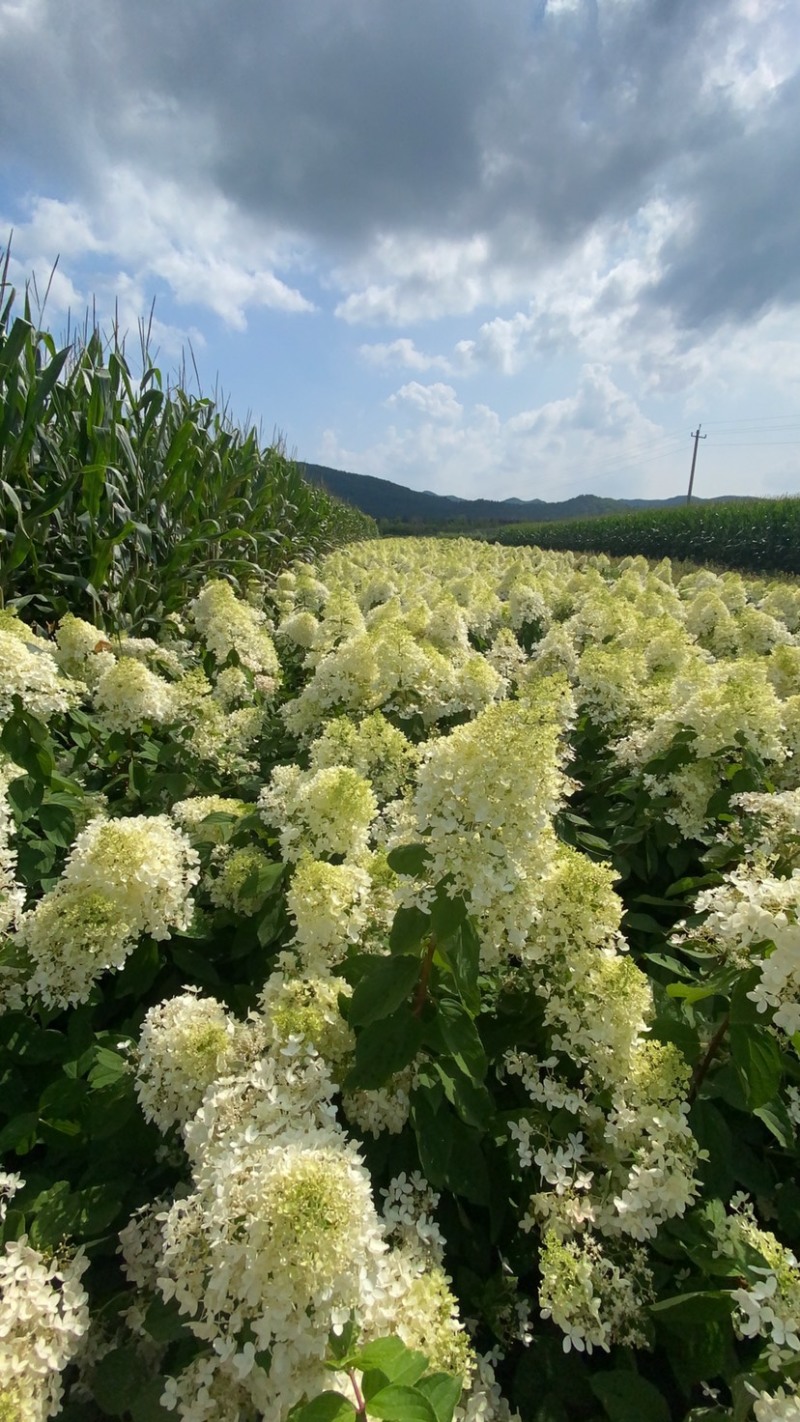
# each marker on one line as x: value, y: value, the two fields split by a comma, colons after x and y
x: 83, y: 651
x: 29, y: 671
x: 778, y: 1406
x: 329, y: 905
x: 750, y: 909
x: 185, y: 1044
x: 323, y: 812
x: 128, y: 696
x: 232, y: 886
x: 43, y: 1317
x: 191, y: 813
x: 769, y: 1307
x: 227, y: 625
x: 300, y: 1007
x: 594, y: 1300
x: 409, y: 1207
x: 144, y: 863
x: 12, y: 895
x: 283, y: 1237
x: 72, y: 936
x: 287, y: 1090
x: 384, y: 1108
x: 373, y: 747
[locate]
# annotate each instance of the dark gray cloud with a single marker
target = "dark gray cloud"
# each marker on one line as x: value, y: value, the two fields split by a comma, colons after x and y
x: 740, y: 253
x: 340, y: 122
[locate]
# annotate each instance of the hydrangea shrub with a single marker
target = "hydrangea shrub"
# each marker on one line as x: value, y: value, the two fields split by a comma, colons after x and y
x: 400, y: 999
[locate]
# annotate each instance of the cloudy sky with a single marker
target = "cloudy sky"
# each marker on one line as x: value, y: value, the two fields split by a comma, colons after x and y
x: 485, y: 247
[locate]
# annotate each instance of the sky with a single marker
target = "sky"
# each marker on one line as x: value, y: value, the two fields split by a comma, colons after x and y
x: 492, y: 248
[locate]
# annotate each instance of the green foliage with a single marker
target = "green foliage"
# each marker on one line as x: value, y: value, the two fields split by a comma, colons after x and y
x: 756, y: 535
x: 120, y: 495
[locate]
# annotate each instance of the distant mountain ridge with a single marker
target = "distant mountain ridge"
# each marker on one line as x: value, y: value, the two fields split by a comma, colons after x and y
x: 397, y: 504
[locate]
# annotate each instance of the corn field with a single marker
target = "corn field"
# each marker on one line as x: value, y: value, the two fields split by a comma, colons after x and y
x: 118, y: 492
x: 759, y: 535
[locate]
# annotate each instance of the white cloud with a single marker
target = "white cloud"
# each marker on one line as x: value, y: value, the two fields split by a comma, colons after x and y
x: 401, y: 279
x: 554, y: 450
x: 436, y: 402
x: 192, y: 241
x: 402, y: 352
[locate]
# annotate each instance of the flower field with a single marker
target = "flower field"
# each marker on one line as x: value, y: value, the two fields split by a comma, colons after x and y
x: 400, y: 998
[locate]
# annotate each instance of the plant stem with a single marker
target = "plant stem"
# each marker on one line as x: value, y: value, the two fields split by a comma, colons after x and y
x: 701, y: 1070
x: 361, y: 1405
x: 422, y: 986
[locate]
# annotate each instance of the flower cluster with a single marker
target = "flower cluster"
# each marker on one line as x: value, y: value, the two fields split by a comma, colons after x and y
x: 43, y: 1317
x: 228, y: 625
x: 277, y: 1241
x: 122, y: 878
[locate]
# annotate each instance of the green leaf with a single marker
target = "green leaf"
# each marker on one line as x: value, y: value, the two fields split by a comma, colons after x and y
x: 20, y: 1133
x: 396, y: 1403
x: 462, y: 954
x: 758, y: 1062
x: 627, y: 1397
x: 460, y: 1037
x: 383, y: 989
x: 718, y: 986
x: 108, y: 1068
x: 777, y: 1121
x: 118, y: 1379
x: 470, y: 1098
x: 409, y: 930
x: 448, y: 912
x: 163, y: 1321
x: 449, y: 1151
x: 713, y: 1135
x: 328, y: 1407
x: 408, y: 859
x: 146, y: 1406
x: 384, y: 1048
x: 58, y: 824
x: 340, y: 1344
x: 643, y: 923
x: 391, y: 1356
x: 443, y: 1392
x: 686, y: 1310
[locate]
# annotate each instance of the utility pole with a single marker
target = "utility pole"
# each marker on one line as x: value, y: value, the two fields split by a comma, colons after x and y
x: 695, y: 435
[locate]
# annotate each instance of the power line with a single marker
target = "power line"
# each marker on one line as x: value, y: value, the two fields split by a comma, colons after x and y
x: 777, y: 420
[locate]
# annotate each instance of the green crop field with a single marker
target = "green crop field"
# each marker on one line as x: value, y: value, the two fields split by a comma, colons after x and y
x: 756, y: 536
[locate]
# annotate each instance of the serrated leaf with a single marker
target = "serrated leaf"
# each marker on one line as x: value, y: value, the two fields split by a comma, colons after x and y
x: 383, y: 989
x: 758, y: 1062
x: 778, y: 1122
x: 409, y: 930
x: 460, y: 1036
x: 408, y: 859
x: 462, y: 954
x: 108, y: 1068
x: 390, y: 1356
x: 443, y: 1392
x: 384, y: 1048
x: 397, y: 1403
x: 697, y: 1307
x: 642, y: 923
x: 627, y: 1397
x: 328, y: 1407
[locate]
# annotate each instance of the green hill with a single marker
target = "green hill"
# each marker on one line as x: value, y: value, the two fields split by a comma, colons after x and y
x: 394, y: 504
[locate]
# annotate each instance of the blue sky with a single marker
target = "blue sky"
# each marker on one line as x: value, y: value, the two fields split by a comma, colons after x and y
x: 518, y: 248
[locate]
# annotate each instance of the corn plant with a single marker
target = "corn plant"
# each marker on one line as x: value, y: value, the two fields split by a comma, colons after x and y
x: 120, y: 493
